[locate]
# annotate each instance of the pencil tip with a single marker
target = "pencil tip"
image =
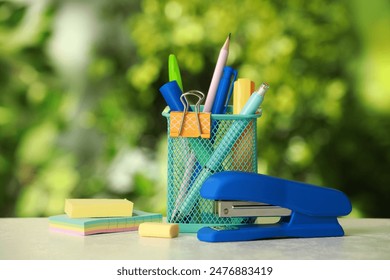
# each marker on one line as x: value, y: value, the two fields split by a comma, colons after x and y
x: 227, y: 42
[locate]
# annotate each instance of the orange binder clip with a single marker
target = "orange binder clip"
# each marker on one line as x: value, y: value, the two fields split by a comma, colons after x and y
x: 190, y: 124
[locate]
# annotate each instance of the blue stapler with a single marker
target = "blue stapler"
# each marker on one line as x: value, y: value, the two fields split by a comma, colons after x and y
x: 305, y: 210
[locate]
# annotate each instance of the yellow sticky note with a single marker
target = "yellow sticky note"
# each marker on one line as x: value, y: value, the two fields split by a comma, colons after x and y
x: 95, y: 208
x: 153, y: 229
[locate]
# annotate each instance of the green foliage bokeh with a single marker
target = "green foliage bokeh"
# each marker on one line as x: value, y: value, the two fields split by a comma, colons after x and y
x: 96, y: 130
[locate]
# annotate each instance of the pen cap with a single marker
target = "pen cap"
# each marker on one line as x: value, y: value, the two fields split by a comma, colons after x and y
x: 174, y: 70
x: 243, y: 89
x: 171, y: 93
x: 224, y: 90
x: 255, y: 100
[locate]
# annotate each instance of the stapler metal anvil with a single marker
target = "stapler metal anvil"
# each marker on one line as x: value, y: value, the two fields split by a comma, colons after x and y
x: 305, y: 210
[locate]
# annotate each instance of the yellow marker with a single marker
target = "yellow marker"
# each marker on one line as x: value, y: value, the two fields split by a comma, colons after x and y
x: 151, y: 229
x: 242, y: 156
x: 96, y: 208
x: 243, y: 88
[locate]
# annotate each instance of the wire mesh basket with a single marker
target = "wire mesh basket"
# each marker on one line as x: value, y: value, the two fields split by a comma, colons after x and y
x: 232, y: 146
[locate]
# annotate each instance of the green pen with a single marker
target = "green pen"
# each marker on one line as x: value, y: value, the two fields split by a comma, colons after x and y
x: 174, y: 71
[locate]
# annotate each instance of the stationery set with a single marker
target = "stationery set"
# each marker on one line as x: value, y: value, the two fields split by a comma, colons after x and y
x: 213, y: 185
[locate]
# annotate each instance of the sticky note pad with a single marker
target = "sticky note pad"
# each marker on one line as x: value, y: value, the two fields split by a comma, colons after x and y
x: 96, y: 208
x: 88, y: 226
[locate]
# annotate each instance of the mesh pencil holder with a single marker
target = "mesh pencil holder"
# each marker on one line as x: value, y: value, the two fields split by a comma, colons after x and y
x: 232, y: 146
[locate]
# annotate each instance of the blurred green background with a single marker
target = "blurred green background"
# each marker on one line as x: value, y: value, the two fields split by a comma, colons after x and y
x: 80, y: 110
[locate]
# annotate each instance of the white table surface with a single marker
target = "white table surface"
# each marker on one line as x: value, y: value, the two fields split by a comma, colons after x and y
x: 30, y: 238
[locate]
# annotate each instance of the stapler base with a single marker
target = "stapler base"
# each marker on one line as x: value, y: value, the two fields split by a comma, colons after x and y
x: 296, y: 225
